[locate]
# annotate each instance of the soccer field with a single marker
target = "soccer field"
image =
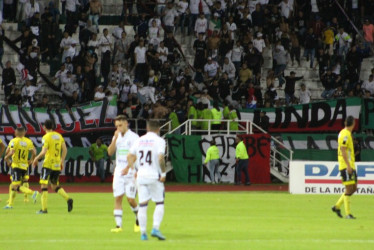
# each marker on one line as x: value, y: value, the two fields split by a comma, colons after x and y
x: 208, y: 220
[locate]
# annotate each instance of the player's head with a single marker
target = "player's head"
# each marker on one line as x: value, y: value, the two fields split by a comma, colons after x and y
x: 212, y: 143
x: 48, y: 125
x: 20, y: 132
x: 153, y: 126
x: 121, y: 123
x: 350, y: 122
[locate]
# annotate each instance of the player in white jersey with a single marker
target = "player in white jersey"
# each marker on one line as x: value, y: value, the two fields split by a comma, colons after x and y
x: 121, y: 143
x: 148, y: 154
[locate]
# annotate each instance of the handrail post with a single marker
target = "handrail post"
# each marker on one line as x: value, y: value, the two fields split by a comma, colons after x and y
x: 246, y: 127
x: 228, y: 126
x: 250, y: 128
x: 189, y: 128
x: 209, y: 127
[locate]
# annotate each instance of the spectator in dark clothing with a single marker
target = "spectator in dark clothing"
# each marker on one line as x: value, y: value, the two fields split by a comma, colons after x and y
x: 201, y: 52
x: 48, y: 38
x: 289, y: 90
x: 253, y: 59
x: 89, y: 83
x: 9, y: 79
x: 141, y: 26
x: 328, y: 82
x: 15, y: 98
x: 323, y: 59
x: 310, y: 46
x: 1, y: 46
x: 353, y: 60
x: 258, y: 17
x: 26, y: 39
x: 264, y: 121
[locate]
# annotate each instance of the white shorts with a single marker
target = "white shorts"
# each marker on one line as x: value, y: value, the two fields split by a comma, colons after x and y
x: 153, y: 189
x: 124, y: 185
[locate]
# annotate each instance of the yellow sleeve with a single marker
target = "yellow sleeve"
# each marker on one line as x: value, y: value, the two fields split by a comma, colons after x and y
x: 343, y: 139
x: 207, y: 158
x: 45, y: 142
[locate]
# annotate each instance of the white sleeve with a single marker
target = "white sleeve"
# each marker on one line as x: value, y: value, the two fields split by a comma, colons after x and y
x: 133, y: 147
x: 161, y: 147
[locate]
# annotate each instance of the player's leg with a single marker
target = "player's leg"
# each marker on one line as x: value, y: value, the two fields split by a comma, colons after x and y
x: 58, y: 189
x: 144, y: 197
x: 14, y: 187
x: 13, y: 194
x: 350, y: 188
x: 26, y: 185
x: 118, y: 193
x: 131, y: 194
x: 44, y: 179
x: 157, y: 191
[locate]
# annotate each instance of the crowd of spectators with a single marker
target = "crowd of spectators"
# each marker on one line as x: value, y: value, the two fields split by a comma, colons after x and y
x: 151, y: 76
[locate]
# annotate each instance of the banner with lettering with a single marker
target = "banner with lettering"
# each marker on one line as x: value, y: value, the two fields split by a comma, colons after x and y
x: 317, y: 116
x: 78, y: 168
x: 187, y: 154
x: 323, y: 147
x: 85, y: 118
x: 367, y: 118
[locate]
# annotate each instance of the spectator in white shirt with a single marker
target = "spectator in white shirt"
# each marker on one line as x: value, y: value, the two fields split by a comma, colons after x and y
x: 140, y: 61
x: 170, y: 18
x: 286, y: 8
x: 211, y: 68
x: 93, y: 43
x: 201, y: 25
x: 236, y: 55
x: 182, y: 7
x: 259, y: 43
x: 30, y: 9
x: 65, y: 45
x: 229, y: 68
x: 369, y: 85
x: 304, y: 94
x: 71, y: 12
x: 28, y: 92
x: 99, y: 94
x: 112, y: 90
x: 163, y: 51
x: 106, y: 48
x: 231, y: 25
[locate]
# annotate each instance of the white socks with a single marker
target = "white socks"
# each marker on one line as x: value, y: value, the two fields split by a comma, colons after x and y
x: 118, y: 217
x: 142, y: 217
x: 158, y: 215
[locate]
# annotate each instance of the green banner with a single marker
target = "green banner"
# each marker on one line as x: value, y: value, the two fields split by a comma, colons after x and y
x: 186, y: 163
x: 367, y: 116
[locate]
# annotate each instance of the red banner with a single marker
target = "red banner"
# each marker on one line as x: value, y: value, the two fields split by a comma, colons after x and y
x: 258, y: 146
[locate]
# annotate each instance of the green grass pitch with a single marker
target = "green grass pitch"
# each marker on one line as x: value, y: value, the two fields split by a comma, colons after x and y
x: 239, y: 220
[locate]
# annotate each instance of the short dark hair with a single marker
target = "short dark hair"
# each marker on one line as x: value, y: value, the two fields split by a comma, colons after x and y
x: 48, y: 124
x: 349, y: 121
x: 120, y: 118
x: 20, y: 129
x: 153, y: 124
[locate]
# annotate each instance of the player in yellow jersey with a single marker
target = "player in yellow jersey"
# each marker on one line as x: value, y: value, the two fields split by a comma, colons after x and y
x: 54, y: 149
x: 25, y: 179
x: 19, y: 149
x: 2, y: 149
x: 346, y: 158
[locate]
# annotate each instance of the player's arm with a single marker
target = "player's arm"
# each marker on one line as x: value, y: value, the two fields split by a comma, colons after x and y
x: 9, y: 154
x: 33, y: 154
x: 40, y: 155
x: 345, y: 157
x: 131, y: 158
x: 112, y: 146
x: 161, y: 160
x: 63, y: 154
x: 2, y: 148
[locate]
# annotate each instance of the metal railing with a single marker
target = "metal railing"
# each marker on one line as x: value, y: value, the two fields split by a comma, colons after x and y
x: 139, y: 126
x: 245, y: 127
